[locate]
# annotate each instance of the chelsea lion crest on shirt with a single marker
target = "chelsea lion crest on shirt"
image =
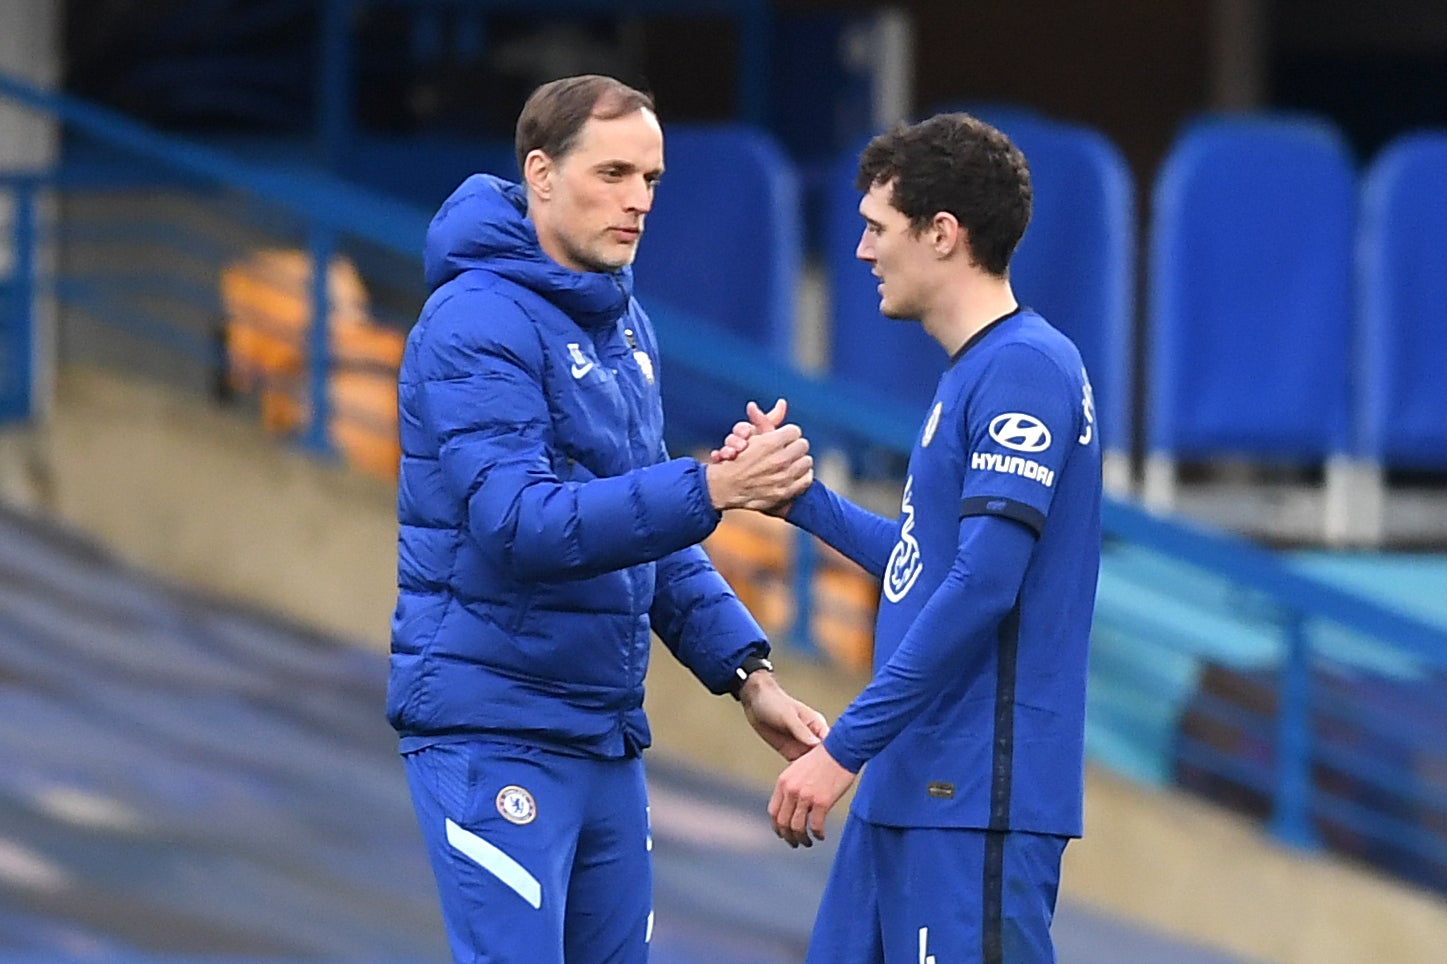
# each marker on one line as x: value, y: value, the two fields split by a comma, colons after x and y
x: 516, y: 805
x: 905, y: 560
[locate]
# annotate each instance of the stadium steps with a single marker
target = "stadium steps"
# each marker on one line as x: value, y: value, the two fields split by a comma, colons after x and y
x: 187, y: 778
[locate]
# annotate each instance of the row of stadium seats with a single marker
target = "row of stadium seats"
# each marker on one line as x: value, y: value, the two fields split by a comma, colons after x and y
x: 1293, y: 309
x: 1289, y: 308
x: 265, y: 297
x: 1285, y: 319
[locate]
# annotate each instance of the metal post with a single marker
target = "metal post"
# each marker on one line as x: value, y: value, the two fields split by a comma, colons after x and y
x: 428, y: 31
x: 334, y: 84
x: 16, y: 398
x: 1291, y: 820
x: 755, y: 67
x: 318, y: 438
x: 801, y: 634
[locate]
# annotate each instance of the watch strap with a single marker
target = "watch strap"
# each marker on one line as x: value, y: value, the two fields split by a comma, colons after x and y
x: 751, y: 664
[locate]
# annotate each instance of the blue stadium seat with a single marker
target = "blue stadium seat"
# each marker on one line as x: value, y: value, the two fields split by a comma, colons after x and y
x: 1005, y: 115
x: 1075, y: 265
x: 725, y: 240
x: 1249, y: 298
x: 1401, y: 418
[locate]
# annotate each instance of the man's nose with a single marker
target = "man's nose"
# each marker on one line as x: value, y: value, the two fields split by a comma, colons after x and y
x: 864, y: 250
x: 640, y: 196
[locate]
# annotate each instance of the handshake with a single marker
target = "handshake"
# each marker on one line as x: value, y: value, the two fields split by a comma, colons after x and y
x: 763, y: 464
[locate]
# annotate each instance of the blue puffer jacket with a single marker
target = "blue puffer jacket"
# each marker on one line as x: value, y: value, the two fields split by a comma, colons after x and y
x: 543, y: 530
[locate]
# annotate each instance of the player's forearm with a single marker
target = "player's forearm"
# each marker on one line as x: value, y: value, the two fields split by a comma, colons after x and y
x: 859, y: 534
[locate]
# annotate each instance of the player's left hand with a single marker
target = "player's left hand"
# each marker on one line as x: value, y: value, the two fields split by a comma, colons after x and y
x: 806, y: 791
x: 758, y: 421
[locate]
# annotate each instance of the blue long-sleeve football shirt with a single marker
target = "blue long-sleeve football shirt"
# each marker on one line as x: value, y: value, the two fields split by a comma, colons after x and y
x: 975, y: 716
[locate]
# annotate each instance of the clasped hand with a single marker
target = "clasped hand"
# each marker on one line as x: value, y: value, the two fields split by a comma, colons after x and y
x: 774, y: 470
x: 769, y: 425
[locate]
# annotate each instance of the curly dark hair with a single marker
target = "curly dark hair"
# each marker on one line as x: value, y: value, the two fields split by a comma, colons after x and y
x: 959, y: 164
x: 556, y: 112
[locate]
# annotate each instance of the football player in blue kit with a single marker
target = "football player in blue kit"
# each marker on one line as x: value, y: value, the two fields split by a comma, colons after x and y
x: 972, y: 727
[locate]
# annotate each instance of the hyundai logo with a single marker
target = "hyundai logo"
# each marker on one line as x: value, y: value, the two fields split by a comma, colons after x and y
x: 1023, y: 433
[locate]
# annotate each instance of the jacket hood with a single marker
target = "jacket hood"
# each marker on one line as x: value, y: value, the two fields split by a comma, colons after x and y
x: 484, y: 225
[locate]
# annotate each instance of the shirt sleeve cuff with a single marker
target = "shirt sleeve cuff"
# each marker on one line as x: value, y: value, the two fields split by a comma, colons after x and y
x: 834, y: 743
x: 805, y: 510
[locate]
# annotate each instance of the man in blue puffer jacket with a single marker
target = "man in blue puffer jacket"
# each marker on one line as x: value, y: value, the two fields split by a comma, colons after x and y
x: 544, y: 534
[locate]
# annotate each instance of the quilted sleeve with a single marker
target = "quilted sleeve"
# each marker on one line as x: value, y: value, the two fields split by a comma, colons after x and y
x: 480, y: 371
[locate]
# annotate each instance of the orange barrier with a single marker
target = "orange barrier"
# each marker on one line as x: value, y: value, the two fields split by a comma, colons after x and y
x: 755, y: 553
x: 267, y: 299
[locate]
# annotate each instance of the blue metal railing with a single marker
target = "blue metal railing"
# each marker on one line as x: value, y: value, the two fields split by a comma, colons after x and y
x: 17, y: 336
x: 1299, y: 733
x: 1295, y: 594
x: 1183, y: 564
x: 331, y: 207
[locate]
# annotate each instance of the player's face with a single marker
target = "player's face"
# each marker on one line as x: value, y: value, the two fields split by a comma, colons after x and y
x: 900, y: 258
x: 593, y: 200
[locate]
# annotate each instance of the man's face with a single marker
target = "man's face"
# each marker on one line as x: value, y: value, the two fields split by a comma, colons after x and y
x: 901, y: 259
x: 591, y: 215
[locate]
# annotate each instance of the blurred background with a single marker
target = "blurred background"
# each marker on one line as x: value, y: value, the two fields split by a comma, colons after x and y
x: 1241, y: 214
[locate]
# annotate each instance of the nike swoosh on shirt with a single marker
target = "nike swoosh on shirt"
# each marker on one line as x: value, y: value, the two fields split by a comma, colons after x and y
x: 580, y: 370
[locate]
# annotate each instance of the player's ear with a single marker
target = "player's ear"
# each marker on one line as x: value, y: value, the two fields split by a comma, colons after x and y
x: 947, y: 234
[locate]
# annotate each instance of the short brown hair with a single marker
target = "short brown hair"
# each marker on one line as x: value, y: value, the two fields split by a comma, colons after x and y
x: 556, y: 111
x: 960, y: 164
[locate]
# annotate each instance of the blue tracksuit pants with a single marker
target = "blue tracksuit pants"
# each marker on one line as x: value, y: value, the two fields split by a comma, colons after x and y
x: 540, y: 857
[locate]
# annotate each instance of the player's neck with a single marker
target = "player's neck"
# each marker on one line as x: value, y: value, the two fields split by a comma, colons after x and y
x: 966, y: 308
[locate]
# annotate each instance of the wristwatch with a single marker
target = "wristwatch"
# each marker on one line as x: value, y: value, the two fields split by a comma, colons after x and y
x: 752, y: 664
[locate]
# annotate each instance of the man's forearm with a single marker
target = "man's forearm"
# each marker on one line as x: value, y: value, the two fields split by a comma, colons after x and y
x: 863, y: 536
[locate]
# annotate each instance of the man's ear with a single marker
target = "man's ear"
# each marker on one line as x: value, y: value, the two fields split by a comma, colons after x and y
x: 538, y: 171
x: 947, y: 234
